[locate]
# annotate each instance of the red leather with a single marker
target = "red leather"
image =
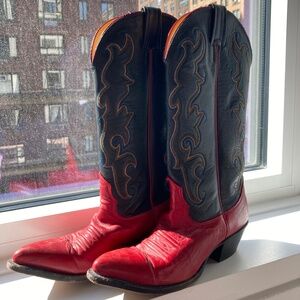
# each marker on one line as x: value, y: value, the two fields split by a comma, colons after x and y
x: 176, y: 249
x: 237, y: 216
x: 74, y: 253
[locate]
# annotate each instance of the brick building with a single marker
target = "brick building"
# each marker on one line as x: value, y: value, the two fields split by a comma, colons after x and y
x: 180, y: 7
x: 47, y: 100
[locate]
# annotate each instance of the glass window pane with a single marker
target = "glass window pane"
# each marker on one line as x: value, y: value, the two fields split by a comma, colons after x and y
x: 48, y: 130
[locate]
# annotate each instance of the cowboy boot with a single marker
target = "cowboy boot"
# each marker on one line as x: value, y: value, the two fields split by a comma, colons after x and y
x: 125, y: 53
x: 207, y: 57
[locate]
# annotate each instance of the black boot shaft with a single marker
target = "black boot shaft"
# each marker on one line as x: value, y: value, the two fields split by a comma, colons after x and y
x: 206, y: 76
x: 124, y: 100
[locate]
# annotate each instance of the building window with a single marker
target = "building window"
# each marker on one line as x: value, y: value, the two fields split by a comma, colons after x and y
x: 83, y: 10
x: 12, y: 154
x: 9, y: 84
x: 183, y: 2
x: 237, y: 13
x: 89, y: 111
x: 5, y: 10
x: 86, y: 79
x: 84, y: 45
x: 107, y: 11
x: 53, y: 79
x: 8, y: 47
x: 14, y: 117
x: 51, y: 44
x: 50, y: 9
x: 195, y: 2
x: 172, y: 8
x: 236, y: 1
x: 57, y: 145
x: 88, y: 143
x: 56, y: 113
x: 224, y: 2
x: 9, y: 118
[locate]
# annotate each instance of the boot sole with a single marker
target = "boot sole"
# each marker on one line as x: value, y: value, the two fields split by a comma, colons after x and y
x: 224, y: 250
x: 42, y: 273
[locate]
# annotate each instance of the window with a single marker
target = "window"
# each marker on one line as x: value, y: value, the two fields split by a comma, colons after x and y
x: 195, y: 2
x: 9, y: 118
x: 14, y: 117
x: 83, y: 10
x: 5, y: 10
x: 224, y: 2
x: 183, y: 2
x: 89, y: 110
x: 57, y: 143
x: 56, y: 113
x: 50, y: 9
x: 53, y: 88
x: 236, y: 1
x: 53, y: 79
x: 84, y: 45
x: 12, y: 154
x: 107, y: 11
x: 237, y: 13
x: 9, y: 84
x: 8, y: 47
x: 86, y: 79
x: 51, y: 44
x: 172, y: 8
x: 88, y: 143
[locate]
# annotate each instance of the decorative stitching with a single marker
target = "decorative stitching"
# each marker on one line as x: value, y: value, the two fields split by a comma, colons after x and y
x: 114, y: 138
x: 241, y: 54
x: 183, y: 146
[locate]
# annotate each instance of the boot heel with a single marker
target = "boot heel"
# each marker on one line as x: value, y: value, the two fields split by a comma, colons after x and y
x: 228, y: 247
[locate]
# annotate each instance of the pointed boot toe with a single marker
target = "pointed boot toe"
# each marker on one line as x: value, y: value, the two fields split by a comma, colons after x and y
x: 112, y: 267
x: 49, y: 259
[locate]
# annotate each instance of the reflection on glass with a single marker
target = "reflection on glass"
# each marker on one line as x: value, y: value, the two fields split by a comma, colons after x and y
x: 48, y: 131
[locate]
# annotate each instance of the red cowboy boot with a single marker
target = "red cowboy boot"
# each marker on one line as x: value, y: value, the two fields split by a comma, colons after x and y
x: 125, y: 53
x: 207, y: 57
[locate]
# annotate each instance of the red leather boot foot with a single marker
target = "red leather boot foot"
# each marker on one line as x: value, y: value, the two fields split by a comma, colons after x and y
x: 175, y: 254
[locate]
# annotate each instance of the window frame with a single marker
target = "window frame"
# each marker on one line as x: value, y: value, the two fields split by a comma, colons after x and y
x: 84, y: 45
x: 9, y: 16
x: 12, y: 47
x: 280, y: 178
x: 82, y: 4
x: 262, y: 186
x: 50, y: 16
x: 86, y: 79
x: 58, y: 38
x: 14, y: 83
x: 45, y: 79
x: 63, y: 108
x: 101, y: 10
x: 88, y: 143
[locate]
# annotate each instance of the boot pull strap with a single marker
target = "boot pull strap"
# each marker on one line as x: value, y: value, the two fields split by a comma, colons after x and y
x: 153, y: 27
x: 219, y: 24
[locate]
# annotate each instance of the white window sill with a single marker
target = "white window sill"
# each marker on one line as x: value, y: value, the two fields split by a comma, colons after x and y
x: 270, y: 245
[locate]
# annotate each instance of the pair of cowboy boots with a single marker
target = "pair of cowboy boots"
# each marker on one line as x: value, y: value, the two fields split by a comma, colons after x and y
x: 171, y: 98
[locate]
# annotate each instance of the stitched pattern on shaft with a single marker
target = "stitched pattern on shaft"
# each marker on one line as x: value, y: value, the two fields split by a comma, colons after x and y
x: 240, y: 54
x: 185, y: 139
x: 115, y: 135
